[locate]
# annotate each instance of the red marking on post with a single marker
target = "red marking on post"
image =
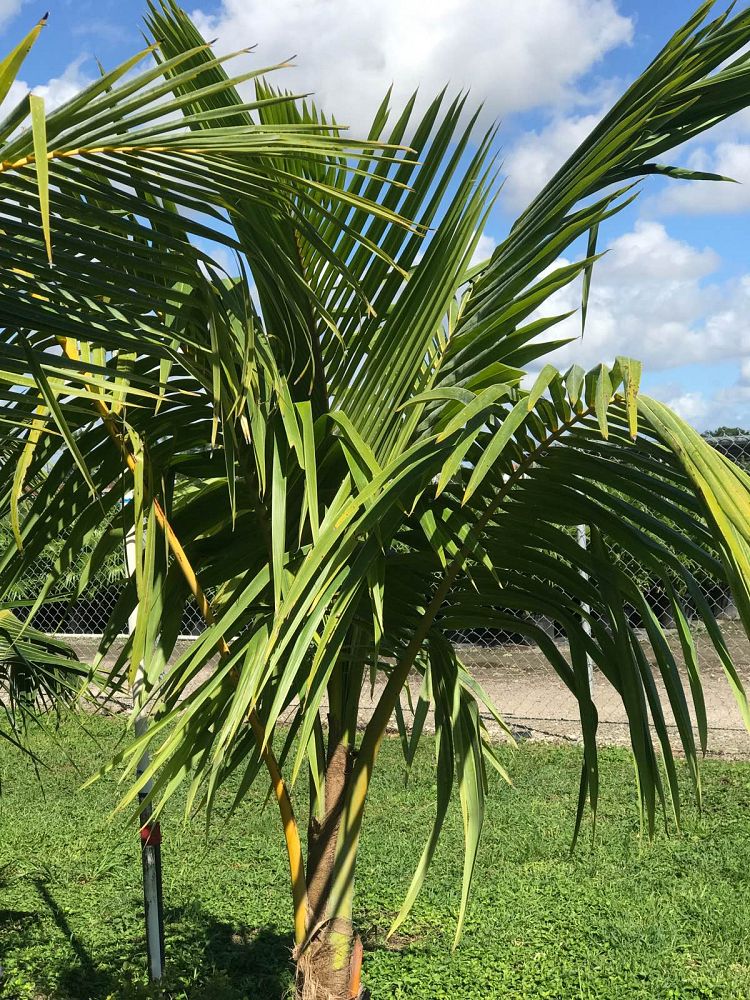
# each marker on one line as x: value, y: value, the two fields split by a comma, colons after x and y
x: 151, y: 835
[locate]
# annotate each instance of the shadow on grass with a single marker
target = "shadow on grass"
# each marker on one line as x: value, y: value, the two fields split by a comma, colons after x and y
x: 206, y: 959
x: 85, y: 961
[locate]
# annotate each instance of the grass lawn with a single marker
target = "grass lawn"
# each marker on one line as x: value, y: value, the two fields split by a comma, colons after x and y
x: 621, y: 918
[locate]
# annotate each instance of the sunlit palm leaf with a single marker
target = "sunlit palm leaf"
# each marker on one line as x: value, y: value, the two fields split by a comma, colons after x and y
x: 336, y: 436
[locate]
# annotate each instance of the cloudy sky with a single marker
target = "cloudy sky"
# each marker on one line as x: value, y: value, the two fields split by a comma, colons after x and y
x: 675, y: 288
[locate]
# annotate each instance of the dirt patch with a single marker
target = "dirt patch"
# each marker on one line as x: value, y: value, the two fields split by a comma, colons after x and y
x: 376, y: 938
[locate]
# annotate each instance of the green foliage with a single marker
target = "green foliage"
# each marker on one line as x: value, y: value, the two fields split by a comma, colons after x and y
x: 66, y: 583
x: 363, y: 471
x: 621, y: 919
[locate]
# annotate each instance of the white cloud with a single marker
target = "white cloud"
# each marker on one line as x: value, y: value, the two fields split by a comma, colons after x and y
x: 535, y: 157
x: 509, y: 54
x: 101, y: 28
x: 62, y: 88
x: 727, y: 406
x: 9, y: 9
x: 653, y: 297
x: 483, y: 250
x: 55, y: 92
x: 730, y: 159
x: 17, y: 90
x: 695, y: 407
x: 736, y: 127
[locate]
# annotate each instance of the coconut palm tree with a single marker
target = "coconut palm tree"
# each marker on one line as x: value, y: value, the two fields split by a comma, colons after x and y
x: 109, y: 170
x: 364, y: 466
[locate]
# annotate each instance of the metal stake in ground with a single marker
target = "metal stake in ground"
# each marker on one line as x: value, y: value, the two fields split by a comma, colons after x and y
x: 150, y: 831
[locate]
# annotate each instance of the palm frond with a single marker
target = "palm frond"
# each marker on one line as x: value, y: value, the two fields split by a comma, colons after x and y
x: 335, y: 441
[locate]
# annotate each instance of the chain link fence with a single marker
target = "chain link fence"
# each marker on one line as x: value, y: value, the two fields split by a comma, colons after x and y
x: 533, y: 699
x: 536, y: 702
x: 88, y: 616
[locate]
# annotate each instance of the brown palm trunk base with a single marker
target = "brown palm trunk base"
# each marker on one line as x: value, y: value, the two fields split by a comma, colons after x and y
x: 331, y: 965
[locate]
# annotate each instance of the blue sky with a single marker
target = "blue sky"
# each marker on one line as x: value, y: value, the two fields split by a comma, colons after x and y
x: 675, y: 288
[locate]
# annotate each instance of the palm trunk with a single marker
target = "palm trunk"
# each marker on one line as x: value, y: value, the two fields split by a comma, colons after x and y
x: 329, y: 966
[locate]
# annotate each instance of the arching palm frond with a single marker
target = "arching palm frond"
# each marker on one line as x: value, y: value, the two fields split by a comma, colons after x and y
x: 364, y: 467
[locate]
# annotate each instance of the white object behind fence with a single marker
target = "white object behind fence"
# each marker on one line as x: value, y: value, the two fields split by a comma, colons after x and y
x: 585, y: 609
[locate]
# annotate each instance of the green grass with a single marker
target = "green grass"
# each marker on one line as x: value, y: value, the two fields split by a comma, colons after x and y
x: 621, y: 918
